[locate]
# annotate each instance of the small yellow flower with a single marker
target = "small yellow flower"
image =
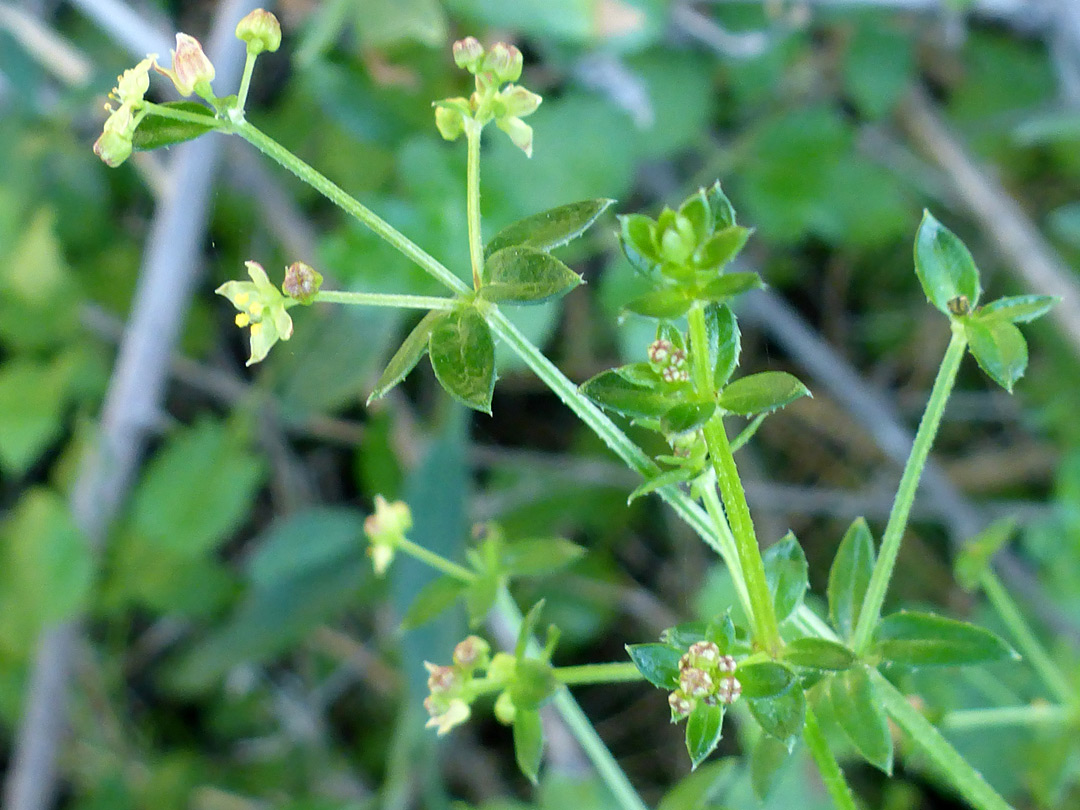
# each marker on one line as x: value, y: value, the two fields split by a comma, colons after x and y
x: 114, y: 144
x: 385, y: 530
x: 262, y: 309
x: 455, y: 713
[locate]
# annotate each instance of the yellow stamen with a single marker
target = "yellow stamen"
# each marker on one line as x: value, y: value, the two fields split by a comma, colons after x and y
x: 256, y: 328
x: 242, y: 299
x: 242, y: 320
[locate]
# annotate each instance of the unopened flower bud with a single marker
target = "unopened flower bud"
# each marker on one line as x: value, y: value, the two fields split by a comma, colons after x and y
x: 505, y: 62
x: 678, y: 358
x: 704, y: 651
x: 680, y: 705
x: 695, y: 682
x: 261, y: 31
x: 471, y: 652
x: 467, y: 54
x: 726, y: 664
x: 729, y: 690
x: 659, y: 351
x: 192, y: 71
x: 302, y: 282
x: 505, y: 710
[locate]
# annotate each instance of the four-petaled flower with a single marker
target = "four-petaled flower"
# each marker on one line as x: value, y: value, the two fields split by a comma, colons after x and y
x: 262, y: 309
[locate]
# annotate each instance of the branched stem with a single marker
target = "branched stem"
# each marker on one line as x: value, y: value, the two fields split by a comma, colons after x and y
x: 472, y: 201
x: 385, y: 300
x: 828, y: 767
x: 905, y: 494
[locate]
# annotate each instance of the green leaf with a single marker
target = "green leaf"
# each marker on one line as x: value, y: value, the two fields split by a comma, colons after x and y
x: 463, y: 357
x: 33, y: 398
x: 611, y: 391
x: 525, y: 275
x: 724, y: 342
x: 196, y: 490
x: 434, y: 598
x: 685, y: 634
x: 782, y: 716
x: 974, y: 558
x: 944, y: 265
x: 687, y: 417
x: 154, y: 132
x: 818, y: 653
x: 849, y: 577
x: 704, y: 728
x: 1017, y: 308
x: 539, y: 556
x: 407, y: 356
x: 679, y: 475
x: 480, y: 595
x: 764, y: 679
x: 528, y: 742
x: 926, y: 640
x: 761, y: 392
x: 658, y: 663
x: 999, y: 349
x: 306, y: 540
x: 730, y: 285
x: 860, y: 714
x: 527, y: 628
x: 697, y: 210
x: 721, y: 248
x: 700, y: 789
x: 667, y: 302
x: 639, y: 374
x: 637, y: 234
x: 786, y: 573
x: 723, y: 213
x: 766, y: 760
x: 534, y: 683
x: 549, y: 229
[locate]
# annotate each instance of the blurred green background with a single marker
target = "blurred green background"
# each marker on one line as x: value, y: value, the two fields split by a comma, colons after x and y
x: 232, y: 648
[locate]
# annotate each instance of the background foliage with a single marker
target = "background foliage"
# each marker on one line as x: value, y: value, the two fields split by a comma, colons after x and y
x: 239, y: 653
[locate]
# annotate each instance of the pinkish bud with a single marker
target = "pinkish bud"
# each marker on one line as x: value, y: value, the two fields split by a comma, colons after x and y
x: 726, y: 664
x: 680, y: 705
x: 441, y: 679
x: 660, y: 351
x: 302, y: 282
x: 261, y: 31
x: 471, y: 652
x: 191, y: 70
x: 729, y: 690
x: 704, y: 651
x: 695, y: 682
x: 505, y: 62
x: 467, y: 54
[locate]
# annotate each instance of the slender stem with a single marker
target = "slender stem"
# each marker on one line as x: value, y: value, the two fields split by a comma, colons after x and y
x: 436, y: 561
x: 598, y: 673
x: 950, y: 764
x: 578, y: 724
x: 766, y: 631
x: 706, y: 490
x: 747, y: 433
x: 162, y: 111
x: 245, y: 81
x: 1035, y: 715
x: 1030, y: 646
x: 472, y: 201
x: 827, y: 765
x: 278, y: 153
x: 385, y: 300
x: 905, y: 494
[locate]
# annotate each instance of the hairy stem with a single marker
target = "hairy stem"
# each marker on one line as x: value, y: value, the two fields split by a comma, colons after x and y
x: 472, y: 201
x: 766, y: 631
x: 827, y: 765
x: 706, y: 490
x: 385, y: 300
x: 905, y: 494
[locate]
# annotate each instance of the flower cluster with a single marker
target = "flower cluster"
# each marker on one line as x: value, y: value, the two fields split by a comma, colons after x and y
x: 670, y: 361
x: 506, y: 107
x: 262, y: 309
x: 449, y: 703
x: 114, y: 145
x: 385, y: 530
x: 706, y: 675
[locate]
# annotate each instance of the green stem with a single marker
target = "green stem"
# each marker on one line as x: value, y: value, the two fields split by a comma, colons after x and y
x: 385, y: 300
x: 1030, y: 646
x: 472, y: 201
x: 279, y: 154
x: 436, y: 561
x: 827, y: 765
x: 578, y: 724
x: 766, y: 631
x: 705, y: 488
x: 905, y: 494
x: 598, y: 673
x: 162, y: 111
x: 245, y: 81
x: 1036, y: 715
x: 956, y: 770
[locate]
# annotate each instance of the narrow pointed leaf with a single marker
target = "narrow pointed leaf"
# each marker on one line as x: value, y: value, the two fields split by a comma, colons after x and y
x: 818, y: 653
x: 524, y: 275
x: 722, y: 247
x: 528, y: 742
x: 611, y: 391
x: 766, y: 760
x: 999, y: 349
x: 723, y: 213
x: 704, y: 728
x: 730, y: 285
x: 687, y: 416
x: 539, y: 556
x: 944, y: 265
x: 636, y: 232
x: 786, y: 573
x: 782, y: 716
x: 1017, y: 308
x: 849, y: 577
x: 434, y: 598
x: 407, y: 356
x: 667, y: 302
x: 639, y: 374
x: 764, y: 679
x: 926, y: 640
x: 761, y: 393
x: 480, y: 595
x: 154, y: 131
x: 859, y: 712
x: 725, y: 342
x: 974, y: 558
x: 463, y: 357
x: 549, y: 229
x: 658, y: 663
x: 679, y: 475
x: 697, y: 210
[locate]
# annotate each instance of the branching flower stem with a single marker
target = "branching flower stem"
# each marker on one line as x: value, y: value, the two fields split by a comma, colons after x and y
x: 472, y: 201
x: 436, y: 561
x: 905, y: 494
